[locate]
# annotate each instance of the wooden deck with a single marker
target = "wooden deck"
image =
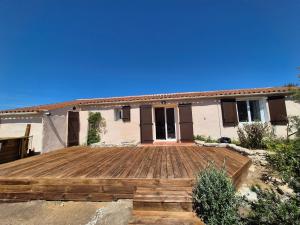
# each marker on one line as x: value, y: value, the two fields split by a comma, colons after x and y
x: 104, y: 174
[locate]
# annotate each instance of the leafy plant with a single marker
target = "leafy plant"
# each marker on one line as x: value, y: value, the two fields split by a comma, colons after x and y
x: 96, y: 126
x: 214, y: 199
x: 269, y: 209
x: 200, y: 137
x: 284, y: 157
x: 252, y: 135
x: 204, y: 138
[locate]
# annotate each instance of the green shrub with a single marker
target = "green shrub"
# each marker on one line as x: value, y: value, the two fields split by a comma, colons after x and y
x: 252, y: 135
x: 96, y: 125
x: 204, y: 138
x: 271, y: 210
x: 214, y: 199
x: 199, y: 137
x: 285, y: 158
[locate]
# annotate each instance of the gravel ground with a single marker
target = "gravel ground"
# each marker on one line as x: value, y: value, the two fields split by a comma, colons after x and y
x: 66, y: 213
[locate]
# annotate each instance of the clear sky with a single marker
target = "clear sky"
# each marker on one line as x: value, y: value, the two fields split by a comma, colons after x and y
x: 56, y: 50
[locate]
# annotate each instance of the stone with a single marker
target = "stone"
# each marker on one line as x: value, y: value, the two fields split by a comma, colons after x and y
x: 210, y: 144
x: 246, y: 192
x: 260, y: 152
x: 199, y: 142
x: 285, y: 189
x: 263, y: 162
x: 222, y: 145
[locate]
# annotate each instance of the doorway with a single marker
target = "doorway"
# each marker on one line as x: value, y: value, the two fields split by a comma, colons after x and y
x: 165, y: 126
x: 73, y: 128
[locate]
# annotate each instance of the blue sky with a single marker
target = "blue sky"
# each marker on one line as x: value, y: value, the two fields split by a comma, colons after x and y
x: 56, y: 50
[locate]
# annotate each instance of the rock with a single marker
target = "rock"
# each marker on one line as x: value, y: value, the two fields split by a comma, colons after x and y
x: 250, y: 196
x: 276, y: 180
x: 285, y: 189
x: 260, y: 152
x: 252, y: 168
x: 210, y: 144
x: 265, y: 178
x: 199, y: 142
x: 122, y: 144
x: 263, y: 162
x: 222, y: 145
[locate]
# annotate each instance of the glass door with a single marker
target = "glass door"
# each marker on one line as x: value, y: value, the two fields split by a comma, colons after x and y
x: 160, y: 126
x: 165, y: 123
x: 170, y: 123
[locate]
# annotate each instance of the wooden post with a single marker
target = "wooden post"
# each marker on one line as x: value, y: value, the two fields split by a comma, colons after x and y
x: 25, y: 141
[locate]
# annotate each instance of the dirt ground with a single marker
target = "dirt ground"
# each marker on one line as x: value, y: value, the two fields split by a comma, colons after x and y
x: 66, y: 213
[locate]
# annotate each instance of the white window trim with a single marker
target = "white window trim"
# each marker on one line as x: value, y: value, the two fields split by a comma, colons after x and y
x: 118, y: 110
x: 262, y: 109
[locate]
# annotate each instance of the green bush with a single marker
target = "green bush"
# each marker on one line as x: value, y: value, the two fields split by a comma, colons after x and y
x: 271, y: 210
x: 285, y: 158
x: 214, y: 199
x: 96, y: 124
x: 252, y: 135
x: 204, y: 138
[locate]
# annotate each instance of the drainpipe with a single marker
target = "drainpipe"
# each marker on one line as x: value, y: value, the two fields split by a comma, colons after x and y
x: 218, y: 108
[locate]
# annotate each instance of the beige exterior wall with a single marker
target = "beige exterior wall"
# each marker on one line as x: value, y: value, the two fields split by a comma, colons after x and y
x: 55, y: 130
x: 207, y: 118
x: 15, y: 126
x: 50, y: 131
x: 115, y: 132
x: 292, y: 109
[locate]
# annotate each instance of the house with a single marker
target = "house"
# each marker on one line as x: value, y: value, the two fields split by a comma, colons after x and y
x: 152, y: 118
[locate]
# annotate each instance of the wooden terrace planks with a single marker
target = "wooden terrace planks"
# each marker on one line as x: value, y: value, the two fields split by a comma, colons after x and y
x: 105, y: 174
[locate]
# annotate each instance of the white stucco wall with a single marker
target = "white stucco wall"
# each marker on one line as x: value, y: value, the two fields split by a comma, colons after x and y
x: 15, y: 126
x: 116, y: 132
x: 55, y: 130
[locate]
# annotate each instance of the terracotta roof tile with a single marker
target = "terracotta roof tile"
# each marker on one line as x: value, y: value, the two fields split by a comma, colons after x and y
x: 141, y: 98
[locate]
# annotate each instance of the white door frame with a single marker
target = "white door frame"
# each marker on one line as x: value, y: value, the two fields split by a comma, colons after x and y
x: 166, y: 126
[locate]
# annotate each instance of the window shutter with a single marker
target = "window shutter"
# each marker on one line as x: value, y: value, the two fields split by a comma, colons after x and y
x: 186, y: 122
x: 126, y: 113
x: 229, y: 113
x: 146, y: 124
x: 277, y: 109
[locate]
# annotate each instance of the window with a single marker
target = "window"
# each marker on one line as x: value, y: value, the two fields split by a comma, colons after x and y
x: 242, y: 111
x: 118, y: 114
x: 254, y: 110
x: 249, y: 111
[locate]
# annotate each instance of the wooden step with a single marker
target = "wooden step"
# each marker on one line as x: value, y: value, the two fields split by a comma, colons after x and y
x: 163, y: 199
x: 164, y: 218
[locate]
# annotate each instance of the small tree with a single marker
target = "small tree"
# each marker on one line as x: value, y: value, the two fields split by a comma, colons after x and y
x: 96, y: 126
x: 252, y: 135
x: 214, y: 199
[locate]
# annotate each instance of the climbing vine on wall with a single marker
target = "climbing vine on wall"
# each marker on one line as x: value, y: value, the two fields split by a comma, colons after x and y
x: 96, y: 127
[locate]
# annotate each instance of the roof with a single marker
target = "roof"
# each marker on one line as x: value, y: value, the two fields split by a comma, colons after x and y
x: 146, y: 98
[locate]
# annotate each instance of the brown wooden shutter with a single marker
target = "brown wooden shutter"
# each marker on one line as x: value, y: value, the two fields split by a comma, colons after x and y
x: 277, y: 109
x: 146, y: 123
x: 126, y: 113
x: 186, y: 122
x: 229, y: 113
x: 73, y: 128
